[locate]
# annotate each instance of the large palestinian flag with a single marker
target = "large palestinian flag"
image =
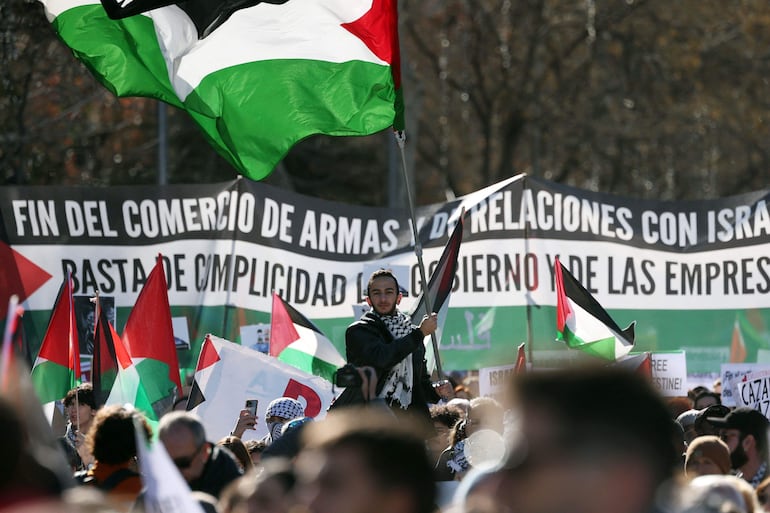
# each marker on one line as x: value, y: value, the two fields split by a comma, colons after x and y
x: 583, y: 324
x: 267, y: 77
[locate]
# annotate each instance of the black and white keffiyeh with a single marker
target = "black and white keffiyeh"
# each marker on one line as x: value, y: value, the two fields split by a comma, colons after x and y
x: 459, y: 462
x: 285, y: 407
x: 398, y: 382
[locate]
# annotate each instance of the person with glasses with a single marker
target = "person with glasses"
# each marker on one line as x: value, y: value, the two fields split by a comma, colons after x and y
x: 744, y: 430
x: 205, y: 466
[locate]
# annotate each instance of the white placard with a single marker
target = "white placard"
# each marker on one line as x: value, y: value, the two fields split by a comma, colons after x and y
x: 493, y: 380
x: 732, y: 373
x: 669, y: 373
x: 753, y: 390
x: 256, y: 336
x: 181, y: 332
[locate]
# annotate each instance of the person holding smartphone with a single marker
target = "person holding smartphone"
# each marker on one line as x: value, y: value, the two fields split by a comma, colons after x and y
x: 247, y: 418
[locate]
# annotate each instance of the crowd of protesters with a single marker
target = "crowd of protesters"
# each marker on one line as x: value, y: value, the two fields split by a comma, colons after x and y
x: 596, y: 439
x: 583, y: 440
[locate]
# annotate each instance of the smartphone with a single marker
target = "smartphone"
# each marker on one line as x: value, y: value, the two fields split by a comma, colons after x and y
x: 251, y: 405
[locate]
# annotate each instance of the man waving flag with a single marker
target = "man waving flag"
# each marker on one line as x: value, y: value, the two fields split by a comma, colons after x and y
x: 257, y: 79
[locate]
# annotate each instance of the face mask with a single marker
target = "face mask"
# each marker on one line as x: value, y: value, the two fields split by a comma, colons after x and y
x: 275, y: 430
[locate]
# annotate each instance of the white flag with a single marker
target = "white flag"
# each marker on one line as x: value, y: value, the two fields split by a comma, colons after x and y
x: 165, y: 490
x: 228, y: 374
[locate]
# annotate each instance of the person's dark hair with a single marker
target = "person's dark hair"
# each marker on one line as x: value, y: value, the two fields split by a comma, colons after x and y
x: 176, y: 419
x: 696, y: 391
x: 602, y: 412
x: 279, y: 470
x: 85, y: 395
x: 253, y: 446
x: 392, y: 449
x: 382, y: 273
x: 446, y: 414
x: 704, y: 395
x: 237, y: 447
x: 112, y: 438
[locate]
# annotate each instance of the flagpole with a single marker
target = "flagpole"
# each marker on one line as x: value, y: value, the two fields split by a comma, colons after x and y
x: 5, y: 359
x: 401, y: 140
x: 228, y: 300
x: 528, y: 297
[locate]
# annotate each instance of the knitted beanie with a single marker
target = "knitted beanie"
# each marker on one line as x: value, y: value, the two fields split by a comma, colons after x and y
x: 710, y: 447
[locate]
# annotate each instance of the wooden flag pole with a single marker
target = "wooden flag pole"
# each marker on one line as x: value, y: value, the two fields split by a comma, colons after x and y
x: 401, y: 140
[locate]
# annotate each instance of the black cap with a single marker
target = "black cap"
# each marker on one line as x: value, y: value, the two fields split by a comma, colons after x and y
x: 715, y: 410
x: 746, y: 420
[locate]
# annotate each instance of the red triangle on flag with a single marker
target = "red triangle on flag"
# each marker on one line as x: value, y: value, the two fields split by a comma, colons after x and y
x: 20, y: 276
x: 110, y: 356
x: 208, y: 356
x: 60, y: 342
x: 378, y: 29
x: 563, y: 310
x: 149, y: 332
x: 282, y: 330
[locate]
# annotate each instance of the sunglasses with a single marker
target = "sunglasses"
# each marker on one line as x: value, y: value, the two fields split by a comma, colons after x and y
x: 185, y: 461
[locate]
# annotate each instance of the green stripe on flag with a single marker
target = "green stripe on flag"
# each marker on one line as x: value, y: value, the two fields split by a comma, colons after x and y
x: 308, y: 363
x: 125, y: 67
x: 269, y: 101
x: 156, y: 385
x: 602, y: 348
x: 128, y: 389
x: 51, y: 381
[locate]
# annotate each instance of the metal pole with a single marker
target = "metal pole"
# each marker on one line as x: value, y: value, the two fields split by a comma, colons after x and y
x: 162, y: 144
x: 229, y: 306
x: 530, y: 337
x: 401, y: 139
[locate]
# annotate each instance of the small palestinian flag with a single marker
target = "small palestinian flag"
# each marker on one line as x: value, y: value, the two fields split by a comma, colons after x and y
x: 149, y: 338
x: 294, y: 339
x: 206, y: 360
x: 583, y: 324
x: 439, y: 289
x: 57, y: 367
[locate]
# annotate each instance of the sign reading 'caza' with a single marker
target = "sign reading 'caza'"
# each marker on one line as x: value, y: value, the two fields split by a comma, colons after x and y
x: 754, y: 391
x: 688, y: 272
